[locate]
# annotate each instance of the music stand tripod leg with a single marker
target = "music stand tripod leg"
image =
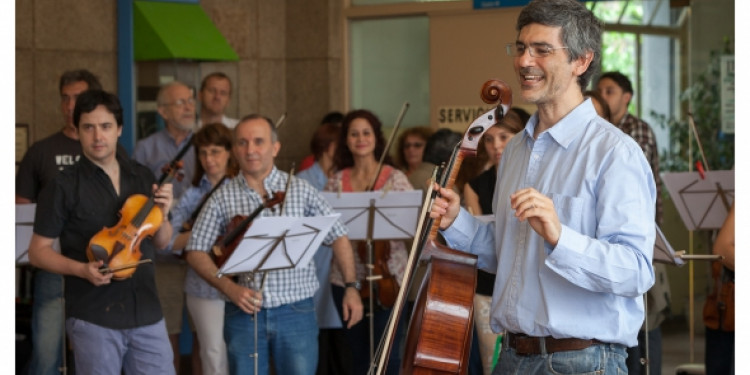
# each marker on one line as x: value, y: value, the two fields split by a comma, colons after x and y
x: 255, y: 323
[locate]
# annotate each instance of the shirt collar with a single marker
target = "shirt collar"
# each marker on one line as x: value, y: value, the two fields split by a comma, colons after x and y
x: 271, y: 183
x: 89, y: 168
x: 569, y: 127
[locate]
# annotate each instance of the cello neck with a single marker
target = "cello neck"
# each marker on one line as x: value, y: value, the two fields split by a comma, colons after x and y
x: 448, y: 181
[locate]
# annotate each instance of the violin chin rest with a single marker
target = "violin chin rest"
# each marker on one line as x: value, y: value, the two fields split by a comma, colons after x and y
x: 99, y: 253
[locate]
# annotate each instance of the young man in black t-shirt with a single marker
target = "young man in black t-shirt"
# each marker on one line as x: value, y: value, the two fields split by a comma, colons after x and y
x: 114, y: 325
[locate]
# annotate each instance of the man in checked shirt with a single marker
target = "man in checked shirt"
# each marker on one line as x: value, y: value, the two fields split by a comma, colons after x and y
x: 287, y: 328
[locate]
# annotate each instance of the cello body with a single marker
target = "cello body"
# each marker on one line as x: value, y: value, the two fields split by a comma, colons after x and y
x: 441, y: 325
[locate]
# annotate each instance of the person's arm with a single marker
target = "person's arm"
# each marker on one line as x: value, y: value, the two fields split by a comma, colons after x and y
x: 42, y: 255
x: 724, y: 244
x: 22, y: 200
x: 344, y: 256
x: 601, y: 240
x: 246, y: 299
x: 471, y: 201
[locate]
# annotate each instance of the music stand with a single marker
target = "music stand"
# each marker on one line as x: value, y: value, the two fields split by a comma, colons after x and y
x: 277, y: 243
x: 377, y: 215
x: 703, y: 201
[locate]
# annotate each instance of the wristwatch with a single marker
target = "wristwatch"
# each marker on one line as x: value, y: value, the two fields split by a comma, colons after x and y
x: 354, y: 284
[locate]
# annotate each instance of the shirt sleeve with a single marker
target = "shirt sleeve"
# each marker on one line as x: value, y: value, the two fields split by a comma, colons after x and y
x: 618, y: 259
x: 209, y: 224
x: 470, y: 235
x: 27, y: 179
x: 51, y: 214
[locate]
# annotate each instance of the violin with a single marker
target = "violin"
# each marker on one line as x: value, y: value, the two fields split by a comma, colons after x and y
x: 119, y: 247
x: 440, y: 329
x: 238, y: 225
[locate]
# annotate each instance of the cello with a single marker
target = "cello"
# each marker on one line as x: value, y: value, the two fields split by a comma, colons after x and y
x: 440, y: 330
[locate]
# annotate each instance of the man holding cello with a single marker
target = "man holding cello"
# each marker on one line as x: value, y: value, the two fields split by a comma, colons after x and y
x: 279, y: 304
x: 114, y: 324
x: 573, y: 236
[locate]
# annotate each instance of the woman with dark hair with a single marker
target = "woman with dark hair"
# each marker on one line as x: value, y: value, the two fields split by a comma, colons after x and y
x: 410, y: 149
x: 360, y: 147
x: 213, y: 151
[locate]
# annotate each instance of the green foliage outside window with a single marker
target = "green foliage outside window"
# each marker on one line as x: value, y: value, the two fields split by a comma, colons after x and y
x: 704, y: 99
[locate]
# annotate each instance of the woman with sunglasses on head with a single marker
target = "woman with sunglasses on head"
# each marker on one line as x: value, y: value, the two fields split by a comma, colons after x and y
x: 411, y: 144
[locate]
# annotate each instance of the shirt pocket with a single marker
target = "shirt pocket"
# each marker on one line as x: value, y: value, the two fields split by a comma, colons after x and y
x: 569, y: 210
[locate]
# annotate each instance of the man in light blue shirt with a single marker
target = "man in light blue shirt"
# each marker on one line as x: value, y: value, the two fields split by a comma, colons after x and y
x: 572, y: 242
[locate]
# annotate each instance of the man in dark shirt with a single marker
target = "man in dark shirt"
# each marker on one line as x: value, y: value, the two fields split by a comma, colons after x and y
x: 41, y: 163
x: 114, y: 325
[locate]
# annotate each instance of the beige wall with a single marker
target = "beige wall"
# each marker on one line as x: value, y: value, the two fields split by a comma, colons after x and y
x: 52, y: 37
x: 290, y: 60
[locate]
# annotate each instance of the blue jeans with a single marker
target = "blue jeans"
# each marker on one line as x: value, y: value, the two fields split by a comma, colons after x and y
x: 47, y: 323
x: 288, y: 333
x: 596, y: 359
x: 103, y: 351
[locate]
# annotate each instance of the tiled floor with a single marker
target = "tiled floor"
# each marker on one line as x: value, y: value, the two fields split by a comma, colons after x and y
x: 676, y: 347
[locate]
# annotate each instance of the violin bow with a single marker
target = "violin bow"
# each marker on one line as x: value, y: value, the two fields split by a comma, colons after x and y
x: 286, y: 189
x: 173, y: 165
x: 280, y: 121
x: 400, y: 117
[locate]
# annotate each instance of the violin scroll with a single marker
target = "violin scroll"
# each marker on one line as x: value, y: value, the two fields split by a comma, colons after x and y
x: 496, y: 91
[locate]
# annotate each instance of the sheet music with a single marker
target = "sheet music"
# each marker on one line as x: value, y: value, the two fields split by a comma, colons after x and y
x: 396, y: 213
x: 698, y: 200
x: 278, y: 242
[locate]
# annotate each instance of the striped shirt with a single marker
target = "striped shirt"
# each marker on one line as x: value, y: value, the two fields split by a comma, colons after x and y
x: 236, y: 198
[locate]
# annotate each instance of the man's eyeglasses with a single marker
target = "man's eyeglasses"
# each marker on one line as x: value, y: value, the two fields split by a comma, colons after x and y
x: 535, y: 50
x: 182, y: 102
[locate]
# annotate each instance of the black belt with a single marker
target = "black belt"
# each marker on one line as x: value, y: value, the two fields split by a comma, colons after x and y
x: 530, y: 345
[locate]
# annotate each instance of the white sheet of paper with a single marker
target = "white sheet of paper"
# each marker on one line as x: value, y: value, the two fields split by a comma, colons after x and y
x: 24, y: 230
x: 697, y: 200
x: 278, y: 242
x: 396, y: 213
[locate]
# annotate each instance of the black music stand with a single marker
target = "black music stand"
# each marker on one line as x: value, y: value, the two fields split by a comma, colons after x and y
x: 377, y: 215
x: 703, y: 201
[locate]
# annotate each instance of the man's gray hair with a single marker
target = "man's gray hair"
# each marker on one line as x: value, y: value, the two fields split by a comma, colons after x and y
x: 256, y: 116
x: 581, y: 30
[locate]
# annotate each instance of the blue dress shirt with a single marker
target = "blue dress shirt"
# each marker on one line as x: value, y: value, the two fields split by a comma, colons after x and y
x: 590, y: 285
